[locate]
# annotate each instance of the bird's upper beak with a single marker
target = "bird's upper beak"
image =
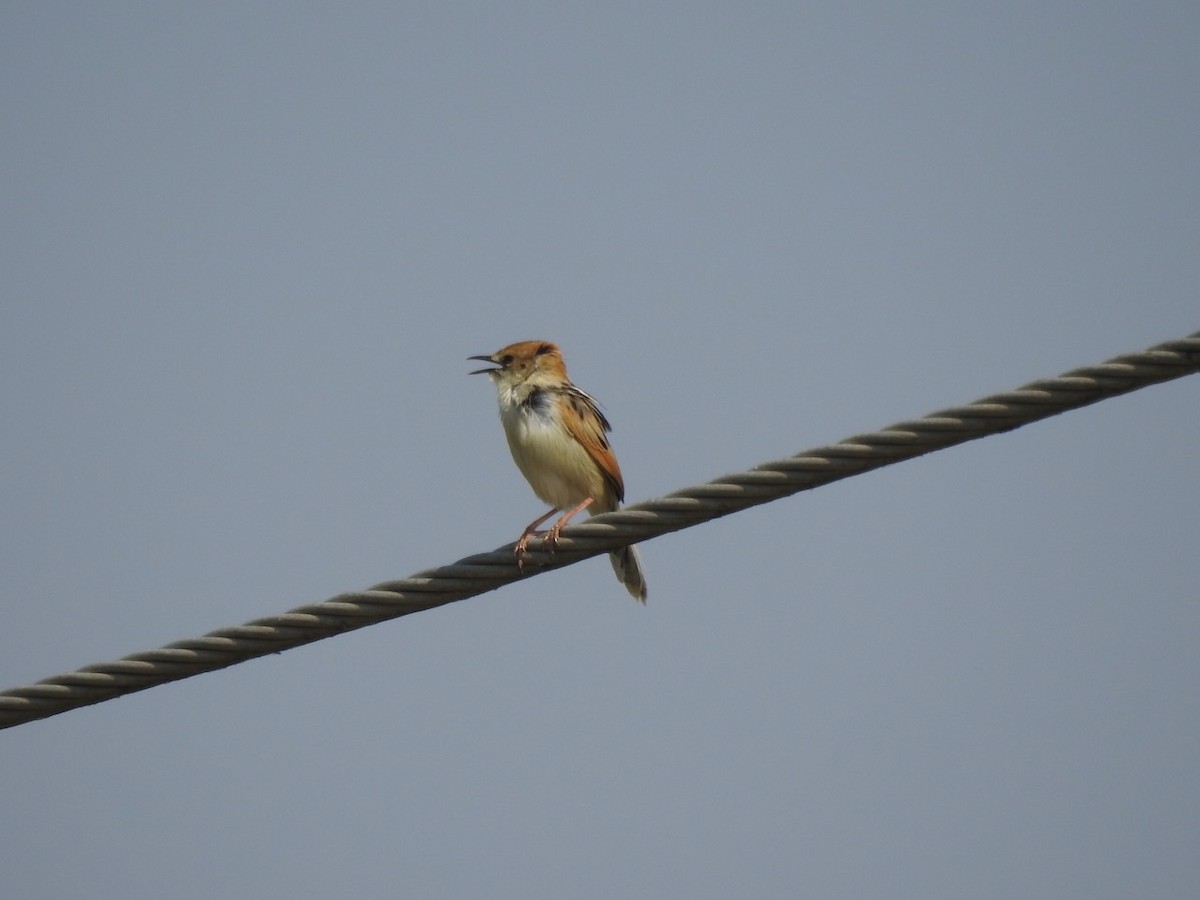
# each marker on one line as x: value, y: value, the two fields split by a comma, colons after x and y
x: 486, y: 359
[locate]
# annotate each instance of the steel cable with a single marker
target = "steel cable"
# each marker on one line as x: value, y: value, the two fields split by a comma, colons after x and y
x: 634, y: 524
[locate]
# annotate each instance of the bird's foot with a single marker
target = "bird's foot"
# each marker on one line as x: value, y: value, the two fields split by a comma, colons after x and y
x: 550, y: 538
x: 521, y: 548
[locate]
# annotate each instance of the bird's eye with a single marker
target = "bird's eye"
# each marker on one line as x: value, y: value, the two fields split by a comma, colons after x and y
x: 506, y: 359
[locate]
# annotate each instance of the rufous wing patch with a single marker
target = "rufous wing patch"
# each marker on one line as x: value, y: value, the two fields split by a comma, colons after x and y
x: 589, y: 426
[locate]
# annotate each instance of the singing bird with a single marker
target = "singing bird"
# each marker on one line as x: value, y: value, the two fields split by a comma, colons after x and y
x: 558, y: 438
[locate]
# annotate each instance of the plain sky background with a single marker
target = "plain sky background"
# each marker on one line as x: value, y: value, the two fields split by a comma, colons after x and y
x: 245, y: 252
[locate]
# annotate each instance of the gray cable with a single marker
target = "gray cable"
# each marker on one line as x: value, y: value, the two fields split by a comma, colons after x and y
x: 487, y: 571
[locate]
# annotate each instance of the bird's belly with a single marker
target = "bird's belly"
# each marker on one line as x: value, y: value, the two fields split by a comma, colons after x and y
x: 559, y: 470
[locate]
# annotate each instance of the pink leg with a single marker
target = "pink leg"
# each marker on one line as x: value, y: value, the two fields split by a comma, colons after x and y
x: 522, y: 546
x: 551, y: 537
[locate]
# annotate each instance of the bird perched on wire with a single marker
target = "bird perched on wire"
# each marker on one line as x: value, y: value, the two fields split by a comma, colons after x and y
x: 557, y: 436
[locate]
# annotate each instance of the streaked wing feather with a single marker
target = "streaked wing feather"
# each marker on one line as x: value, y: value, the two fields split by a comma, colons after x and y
x: 589, y: 427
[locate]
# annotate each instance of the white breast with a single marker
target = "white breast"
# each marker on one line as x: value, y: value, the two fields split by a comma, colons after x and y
x: 559, y: 470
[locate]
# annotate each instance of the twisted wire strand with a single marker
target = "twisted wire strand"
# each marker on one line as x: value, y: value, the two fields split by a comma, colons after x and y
x: 639, y: 522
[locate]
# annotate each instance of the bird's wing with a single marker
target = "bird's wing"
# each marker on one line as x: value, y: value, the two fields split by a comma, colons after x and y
x: 589, y: 427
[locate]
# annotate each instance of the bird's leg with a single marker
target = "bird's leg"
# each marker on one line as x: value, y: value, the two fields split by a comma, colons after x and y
x: 522, y: 546
x: 551, y: 538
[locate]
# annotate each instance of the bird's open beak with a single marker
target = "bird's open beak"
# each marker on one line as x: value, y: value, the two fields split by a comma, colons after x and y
x: 486, y: 359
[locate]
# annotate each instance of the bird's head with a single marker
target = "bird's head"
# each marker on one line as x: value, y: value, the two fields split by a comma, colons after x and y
x: 525, y: 362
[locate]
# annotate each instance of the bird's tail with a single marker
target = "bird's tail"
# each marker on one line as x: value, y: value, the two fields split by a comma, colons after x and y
x: 627, y: 563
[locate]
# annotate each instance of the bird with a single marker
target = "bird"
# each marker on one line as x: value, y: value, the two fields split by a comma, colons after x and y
x: 559, y: 440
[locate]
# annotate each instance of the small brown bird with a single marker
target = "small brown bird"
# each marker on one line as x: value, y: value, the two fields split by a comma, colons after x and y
x: 558, y: 438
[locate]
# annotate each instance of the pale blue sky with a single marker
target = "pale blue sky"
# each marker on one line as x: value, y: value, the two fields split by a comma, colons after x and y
x: 245, y: 252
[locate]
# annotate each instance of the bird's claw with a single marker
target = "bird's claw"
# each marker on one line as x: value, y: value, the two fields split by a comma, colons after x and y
x: 521, y: 548
x: 549, y: 540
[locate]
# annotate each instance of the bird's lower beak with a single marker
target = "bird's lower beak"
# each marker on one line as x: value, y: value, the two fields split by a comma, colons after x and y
x: 486, y: 359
